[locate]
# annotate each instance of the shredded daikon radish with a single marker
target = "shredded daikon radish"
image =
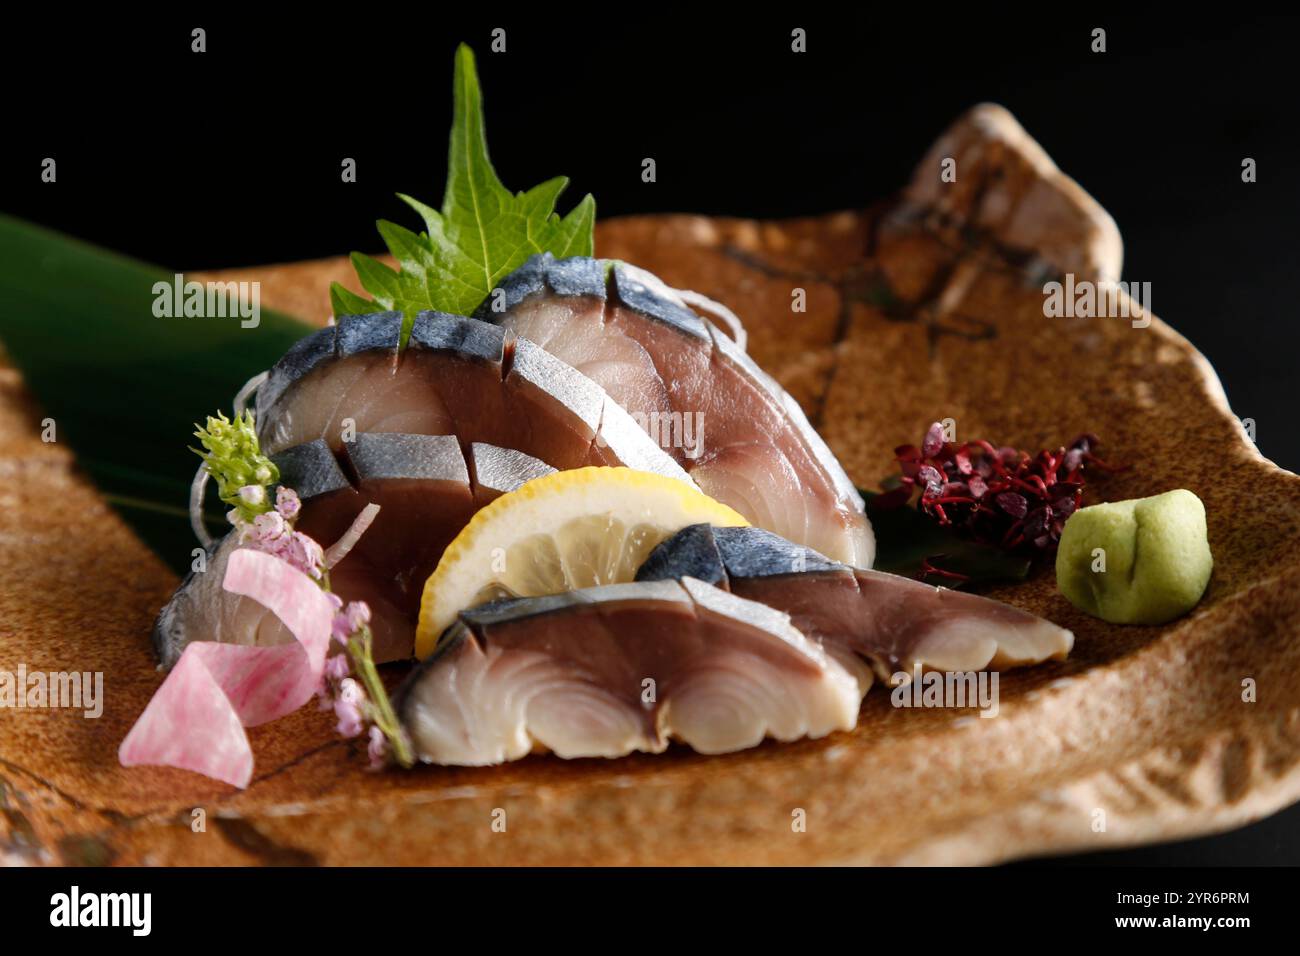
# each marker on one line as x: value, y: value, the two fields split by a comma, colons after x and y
x: 688, y: 298
x: 340, y: 548
x: 245, y: 393
x: 197, y: 487
x: 729, y: 318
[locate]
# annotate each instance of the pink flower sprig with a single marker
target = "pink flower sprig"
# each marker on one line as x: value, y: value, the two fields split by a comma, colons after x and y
x: 360, y: 703
x: 273, y: 532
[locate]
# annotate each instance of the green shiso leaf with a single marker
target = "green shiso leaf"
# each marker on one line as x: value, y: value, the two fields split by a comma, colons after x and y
x: 906, y: 539
x: 124, y: 386
x: 482, y: 233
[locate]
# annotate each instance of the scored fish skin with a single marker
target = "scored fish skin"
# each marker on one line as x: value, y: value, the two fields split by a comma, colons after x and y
x: 498, y: 471
x: 426, y: 490
x: 311, y: 470
x: 455, y: 376
x: 629, y: 333
x: 568, y: 673
x: 895, y: 623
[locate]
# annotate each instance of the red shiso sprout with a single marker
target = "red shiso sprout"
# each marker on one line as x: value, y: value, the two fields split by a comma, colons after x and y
x: 998, y: 495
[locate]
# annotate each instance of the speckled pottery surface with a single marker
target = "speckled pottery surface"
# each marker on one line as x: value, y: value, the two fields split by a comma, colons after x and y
x: 928, y: 307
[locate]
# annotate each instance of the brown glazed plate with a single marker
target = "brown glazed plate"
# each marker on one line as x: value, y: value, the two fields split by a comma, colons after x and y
x: 927, y: 307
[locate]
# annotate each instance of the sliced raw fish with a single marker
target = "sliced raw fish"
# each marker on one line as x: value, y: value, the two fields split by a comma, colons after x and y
x: 196, y: 719
x: 741, y: 437
x: 893, y: 622
x: 422, y: 486
x: 201, y: 610
x: 454, y: 376
x: 425, y: 491
x: 606, y: 671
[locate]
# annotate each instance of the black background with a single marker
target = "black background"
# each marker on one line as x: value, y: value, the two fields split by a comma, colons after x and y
x: 232, y: 157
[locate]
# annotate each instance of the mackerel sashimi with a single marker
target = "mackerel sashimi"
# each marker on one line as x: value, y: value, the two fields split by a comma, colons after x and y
x: 453, y: 376
x: 893, y: 622
x: 425, y: 488
x: 741, y: 437
x: 606, y: 671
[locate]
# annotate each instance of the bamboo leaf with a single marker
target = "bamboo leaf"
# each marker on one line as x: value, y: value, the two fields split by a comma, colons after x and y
x: 124, y: 386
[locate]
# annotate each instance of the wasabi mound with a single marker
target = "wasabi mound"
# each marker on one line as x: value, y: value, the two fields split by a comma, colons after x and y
x: 1143, y: 561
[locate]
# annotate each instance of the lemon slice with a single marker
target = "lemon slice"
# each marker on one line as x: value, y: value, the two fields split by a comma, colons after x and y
x: 563, y: 531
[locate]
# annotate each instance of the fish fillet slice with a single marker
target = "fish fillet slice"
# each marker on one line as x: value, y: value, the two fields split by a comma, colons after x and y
x: 742, y: 438
x: 893, y: 622
x: 606, y: 671
x: 455, y: 376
